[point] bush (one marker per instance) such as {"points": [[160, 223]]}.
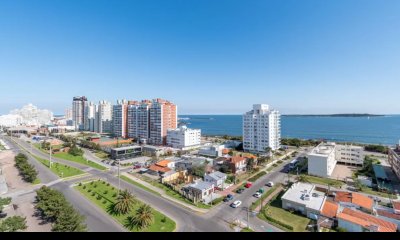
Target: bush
{"points": [[108, 184], [89, 190], [164, 219], [99, 197], [95, 186], [114, 195], [84, 187], [80, 184], [93, 194], [104, 201]]}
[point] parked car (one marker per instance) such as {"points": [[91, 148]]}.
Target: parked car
{"points": [[261, 190], [236, 204], [136, 166], [257, 195], [270, 184], [240, 190], [228, 198], [248, 185]]}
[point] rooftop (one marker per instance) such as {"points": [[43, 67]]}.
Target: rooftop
{"points": [[305, 194], [367, 220], [355, 198], [126, 148], [388, 214], [217, 175], [236, 159], [201, 185], [324, 149], [156, 168], [330, 209], [163, 163], [396, 205]]}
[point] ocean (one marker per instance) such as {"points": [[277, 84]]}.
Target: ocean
{"points": [[375, 130]]}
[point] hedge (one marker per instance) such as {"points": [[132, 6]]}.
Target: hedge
{"points": [[289, 227]]}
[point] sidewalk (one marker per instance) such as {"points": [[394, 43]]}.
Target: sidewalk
{"points": [[265, 201], [92, 157], [164, 195]]}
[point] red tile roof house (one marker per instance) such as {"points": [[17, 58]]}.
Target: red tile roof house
{"points": [[389, 214], [356, 221], [354, 200], [237, 164]]}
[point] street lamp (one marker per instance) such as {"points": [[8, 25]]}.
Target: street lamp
{"points": [[50, 156]]}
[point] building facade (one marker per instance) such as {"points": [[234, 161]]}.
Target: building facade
{"points": [[323, 158], [104, 117], [139, 121], [120, 119], [394, 159], [183, 138], [78, 112], [68, 113], [90, 117], [261, 129], [163, 116]]}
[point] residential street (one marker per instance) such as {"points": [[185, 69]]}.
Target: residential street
{"points": [[216, 220]]}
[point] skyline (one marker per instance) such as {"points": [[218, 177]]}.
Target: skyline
{"points": [[303, 57]]}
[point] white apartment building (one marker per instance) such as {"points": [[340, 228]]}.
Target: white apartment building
{"points": [[138, 121], [349, 154], [90, 112], [183, 138], [104, 117], [78, 112], [119, 119], [323, 158], [261, 129]]}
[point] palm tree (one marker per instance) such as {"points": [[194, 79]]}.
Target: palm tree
{"points": [[143, 218], [125, 201]]}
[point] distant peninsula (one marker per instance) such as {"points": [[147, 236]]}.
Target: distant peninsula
{"points": [[335, 115]]}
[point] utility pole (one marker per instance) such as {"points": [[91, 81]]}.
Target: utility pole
{"points": [[248, 217], [50, 155], [119, 178]]}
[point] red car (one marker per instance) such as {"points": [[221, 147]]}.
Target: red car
{"points": [[136, 166], [248, 185]]}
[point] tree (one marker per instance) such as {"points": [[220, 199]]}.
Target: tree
{"points": [[143, 218], [250, 164], [45, 145], [13, 224], [69, 220], [302, 178], [75, 151], [125, 202]]}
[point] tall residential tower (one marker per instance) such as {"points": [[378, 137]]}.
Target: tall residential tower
{"points": [[261, 129], [78, 112]]}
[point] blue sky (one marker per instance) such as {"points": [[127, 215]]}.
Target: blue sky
{"points": [[207, 56]]}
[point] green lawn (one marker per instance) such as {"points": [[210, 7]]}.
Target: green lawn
{"points": [[37, 181], [322, 181], [79, 159], [59, 169], [101, 154], [139, 185], [173, 193], [2, 147], [246, 230], [104, 197], [274, 210], [257, 176], [376, 193]]}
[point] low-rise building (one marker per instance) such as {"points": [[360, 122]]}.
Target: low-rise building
{"points": [[323, 158], [237, 164], [181, 176], [356, 221], [199, 191], [125, 152], [217, 178], [153, 150], [184, 138], [304, 198], [354, 200], [394, 159], [387, 214], [211, 150]]}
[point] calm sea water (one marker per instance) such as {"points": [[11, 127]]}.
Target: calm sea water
{"points": [[379, 130]]}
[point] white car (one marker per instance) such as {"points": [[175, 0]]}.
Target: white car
{"points": [[236, 204], [270, 184], [257, 195]]}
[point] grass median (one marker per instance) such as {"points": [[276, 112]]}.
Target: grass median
{"points": [[125, 178], [59, 169], [79, 159], [105, 195]]}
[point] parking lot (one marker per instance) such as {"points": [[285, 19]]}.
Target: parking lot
{"points": [[341, 172]]}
